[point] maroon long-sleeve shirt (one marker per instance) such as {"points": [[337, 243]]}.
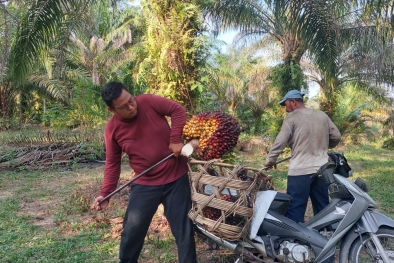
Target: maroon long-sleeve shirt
{"points": [[145, 139]]}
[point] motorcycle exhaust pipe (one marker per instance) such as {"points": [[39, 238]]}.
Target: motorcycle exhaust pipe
{"points": [[221, 242], [233, 247]]}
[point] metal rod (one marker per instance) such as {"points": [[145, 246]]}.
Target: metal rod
{"points": [[220, 241], [135, 178], [193, 161], [285, 159], [223, 165]]}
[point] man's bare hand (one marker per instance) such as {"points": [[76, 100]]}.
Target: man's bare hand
{"points": [[269, 166], [99, 207], [176, 148]]}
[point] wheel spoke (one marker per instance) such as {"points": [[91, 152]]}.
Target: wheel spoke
{"points": [[369, 248], [366, 251]]}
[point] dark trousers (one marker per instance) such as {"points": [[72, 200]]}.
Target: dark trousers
{"points": [[143, 204], [301, 187]]}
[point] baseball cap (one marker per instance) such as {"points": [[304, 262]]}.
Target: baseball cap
{"points": [[292, 94]]}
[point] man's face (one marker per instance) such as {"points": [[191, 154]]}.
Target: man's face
{"points": [[290, 105], [125, 106]]}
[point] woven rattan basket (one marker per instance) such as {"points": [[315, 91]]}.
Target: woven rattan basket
{"points": [[223, 196]]}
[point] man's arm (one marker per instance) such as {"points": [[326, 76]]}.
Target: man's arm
{"points": [[279, 144], [177, 113], [112, 165], [111, 170]]}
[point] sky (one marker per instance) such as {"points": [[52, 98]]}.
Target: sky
{"points": [[227, 37]]}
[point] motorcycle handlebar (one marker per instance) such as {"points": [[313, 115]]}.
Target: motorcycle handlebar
{"points": [[315, 175]]}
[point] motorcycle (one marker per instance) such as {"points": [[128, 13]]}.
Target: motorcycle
{"points": [[350, 223]]}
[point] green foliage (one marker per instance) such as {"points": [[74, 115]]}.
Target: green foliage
{"points": [[86, 109], [92, 150], [235, 72], [5, 124], [57, 116], [287, 77], [273, 120], [354, 115], [231, 157], [208, 102], [109, 46], [38, 29], [90, 42], [8, 156], [251, 123], [388, 144]]}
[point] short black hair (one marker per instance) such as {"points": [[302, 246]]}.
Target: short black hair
{"points": [[111, 91]]}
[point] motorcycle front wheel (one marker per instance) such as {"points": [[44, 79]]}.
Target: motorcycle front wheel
{"points": [[365, 251]]}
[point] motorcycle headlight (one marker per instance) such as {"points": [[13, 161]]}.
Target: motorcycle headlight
{"points": [[355, 188], [362, 184]]}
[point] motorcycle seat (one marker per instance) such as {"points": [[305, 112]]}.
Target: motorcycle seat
{"points": [[282, 197]]}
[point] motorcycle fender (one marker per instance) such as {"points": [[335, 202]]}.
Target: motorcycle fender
{"points": [[371, 221]]}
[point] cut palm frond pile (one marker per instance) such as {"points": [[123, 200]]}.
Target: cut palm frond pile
{"points": [[48, 155]]}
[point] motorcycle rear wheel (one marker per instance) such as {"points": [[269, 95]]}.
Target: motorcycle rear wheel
{"points": [[366, 252]]}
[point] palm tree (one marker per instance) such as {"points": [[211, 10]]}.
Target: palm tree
{"points": [[40, 28], [174, 49], [47, 19], [359, 62], [359, 113], [57, 54], [296, 26], [239, 81], [8, 17], [107, 43], [262, 22], [318, 29]]}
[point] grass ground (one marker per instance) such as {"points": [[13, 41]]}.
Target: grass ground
{"points": [[45, 215]]}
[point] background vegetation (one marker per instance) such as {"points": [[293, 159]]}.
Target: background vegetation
{"points": [[56, 55]]}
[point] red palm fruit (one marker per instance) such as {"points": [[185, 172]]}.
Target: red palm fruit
{"points": [[217, 133]]}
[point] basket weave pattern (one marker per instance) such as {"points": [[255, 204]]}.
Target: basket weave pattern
{"points": [[236, 210]]}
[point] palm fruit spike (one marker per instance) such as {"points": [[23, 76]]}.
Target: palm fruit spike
{"points": [[216, 131]]}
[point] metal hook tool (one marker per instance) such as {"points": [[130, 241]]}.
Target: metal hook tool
{"points": [[285, 159]]}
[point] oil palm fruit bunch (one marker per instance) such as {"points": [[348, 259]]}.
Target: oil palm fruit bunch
{"points": [[216, 131]]}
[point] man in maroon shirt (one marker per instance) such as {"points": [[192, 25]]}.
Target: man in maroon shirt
{"points": [[139, 128]]}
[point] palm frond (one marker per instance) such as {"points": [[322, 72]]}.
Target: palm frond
{"points": [[246, 15], [315, 21], [38, 29], [56, 88]]}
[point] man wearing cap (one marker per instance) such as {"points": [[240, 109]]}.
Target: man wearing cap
{"points": [[309, 133]]}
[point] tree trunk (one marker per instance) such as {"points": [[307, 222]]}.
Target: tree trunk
{"points": [[292, 49], [172, 52], [20, 108], [328, 101], [4, 108], [6, 45]]}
